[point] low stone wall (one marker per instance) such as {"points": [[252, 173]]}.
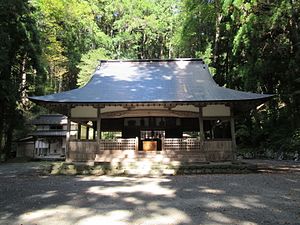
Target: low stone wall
{"points": [[150, 169], [114, 155]]}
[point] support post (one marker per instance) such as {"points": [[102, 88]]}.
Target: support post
{"points": [[49, 147], [68, 137], [233, 140], [79, 131], [136, 148], [87, 132], [98, 124], [201, 129], [94, 134]]}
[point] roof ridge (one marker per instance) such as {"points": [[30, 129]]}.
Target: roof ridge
{"points": [[150, 60], [51, 115]]}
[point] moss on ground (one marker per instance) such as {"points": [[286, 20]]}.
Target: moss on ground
{"points": [[63, 168]]}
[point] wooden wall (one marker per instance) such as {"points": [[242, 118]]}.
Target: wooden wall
{"points": [[25, 149], [82, 151], [218, 150]]}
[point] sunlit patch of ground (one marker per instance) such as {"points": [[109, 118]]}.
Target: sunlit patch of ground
{"points": [[127, 193], [148, 186]]}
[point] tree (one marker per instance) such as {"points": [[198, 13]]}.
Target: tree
{"points": [[252, 46], [19, 64], [68, 30]]}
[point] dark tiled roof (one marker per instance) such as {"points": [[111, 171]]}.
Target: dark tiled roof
{"points": [[49, 133], [151, 81], [50, 119]]}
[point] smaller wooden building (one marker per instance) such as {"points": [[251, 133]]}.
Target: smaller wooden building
{"points": [[170, 110], [25, 147], [48, 141]]}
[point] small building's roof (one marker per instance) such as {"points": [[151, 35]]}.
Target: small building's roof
{"points": [[58, 133], [26, 139], [50, 119], [148, 81]]}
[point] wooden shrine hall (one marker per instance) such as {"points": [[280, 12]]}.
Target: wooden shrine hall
{"points": [[171, 109]]}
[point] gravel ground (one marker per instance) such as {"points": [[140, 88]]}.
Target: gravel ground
{"points": [[27, 198]]}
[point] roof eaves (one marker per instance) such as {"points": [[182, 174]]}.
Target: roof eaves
{"points": [[149, 60], [266, 96]]}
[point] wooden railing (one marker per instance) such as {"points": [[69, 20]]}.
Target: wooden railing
{"points": [[183, 150], [190, 150], [180, 144], [106, 150], [195, 150], [118, 144]]}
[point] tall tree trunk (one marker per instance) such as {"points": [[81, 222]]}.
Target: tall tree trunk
{"points": [[8, 142], [170, 51], [144, 45], [161, 52], [218, 30], [294, 51], [9, 128], [23, 88], [60, 80], [5, 102], [1, 128], [141, 42]]}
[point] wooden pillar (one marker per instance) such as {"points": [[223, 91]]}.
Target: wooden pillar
{"points": [[201, 128], [79, 131], [98, 124], [163, 143], [94, 133], [232, 128], [136, 148], [49, 147], [68, 137], [87, 131]]}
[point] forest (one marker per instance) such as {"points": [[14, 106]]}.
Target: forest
{"points": [[49, 46]]}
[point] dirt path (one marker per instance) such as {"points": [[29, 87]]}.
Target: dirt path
{"points": [[276, 166], [264, 198], [22, 169]]}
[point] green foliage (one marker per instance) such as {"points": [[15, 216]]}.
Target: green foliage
{"points": [[19, 65], [195, 28], [141, 29], [89, 62], [68, 29], [295, 140], [125, 29], [110, 135], [254, 46]]}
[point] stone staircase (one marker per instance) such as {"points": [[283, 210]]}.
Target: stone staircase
{"points": [[146, 167], [154, 156], [154, 163]]}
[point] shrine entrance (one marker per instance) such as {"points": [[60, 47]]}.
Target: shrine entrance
{"points": [[151, 140]]}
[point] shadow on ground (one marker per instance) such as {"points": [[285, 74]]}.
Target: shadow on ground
{"points": [[201, 199]]}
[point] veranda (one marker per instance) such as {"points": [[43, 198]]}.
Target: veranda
{"points": [[163, 132]]}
